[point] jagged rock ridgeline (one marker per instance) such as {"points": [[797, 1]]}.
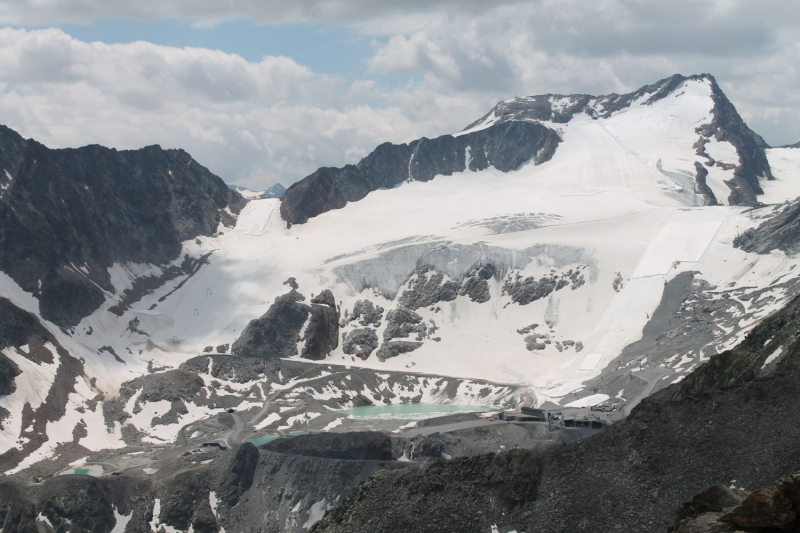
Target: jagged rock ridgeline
{"points": [[560, 108], [504, 147], [67, 215], [287, 322], [728, 126]]}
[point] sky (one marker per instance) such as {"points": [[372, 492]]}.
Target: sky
{"points": [[267, 91]]}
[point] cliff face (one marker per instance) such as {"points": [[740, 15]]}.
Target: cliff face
{"points": [[67, 215], [504, 147]]}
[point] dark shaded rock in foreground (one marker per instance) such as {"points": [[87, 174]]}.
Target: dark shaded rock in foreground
{"points": [[359, 445], [726, 421], [721, 509], [67, 215], [504, 147]]}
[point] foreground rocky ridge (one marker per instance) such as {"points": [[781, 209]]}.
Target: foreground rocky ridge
{"points": [[283, 486], [68, 215], [730, 421], [721, 509]]}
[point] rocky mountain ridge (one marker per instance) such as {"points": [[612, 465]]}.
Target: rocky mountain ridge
{"points": [[67, 215], [505, 148], [389, 165]]}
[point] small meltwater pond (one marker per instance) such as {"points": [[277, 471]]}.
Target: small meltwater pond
{"points": [[263, 439], [412, 410], [258, 441], [88, 470]]}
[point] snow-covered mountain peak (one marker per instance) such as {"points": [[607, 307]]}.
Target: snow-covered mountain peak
{"points": [[560, 109]]}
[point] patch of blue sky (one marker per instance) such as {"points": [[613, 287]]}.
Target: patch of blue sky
{"points": [[325, 49], [335, 50]]}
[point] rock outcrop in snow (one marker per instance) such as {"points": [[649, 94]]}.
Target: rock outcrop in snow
{"points": [[289, 322]]}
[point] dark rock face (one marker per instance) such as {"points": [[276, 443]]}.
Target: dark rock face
{"points": [[428, 288], [447, 495], [712, 500], [18, 328], [617, 284], [325, 298], [395, 348], [476, 284], [91, 207], [360, 342], [8, 371], [184, 501], [82, 504], [781, 232], [322, 334], [532, 342], [721, 509], [277, 333], [702, 186], [526, 290], [358, 445], [729, 126], [402, 322], [175, 386], [367, 313], [239, 476], [504, 147]]}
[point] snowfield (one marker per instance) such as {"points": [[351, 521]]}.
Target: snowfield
{"points": [[616, 201]]}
